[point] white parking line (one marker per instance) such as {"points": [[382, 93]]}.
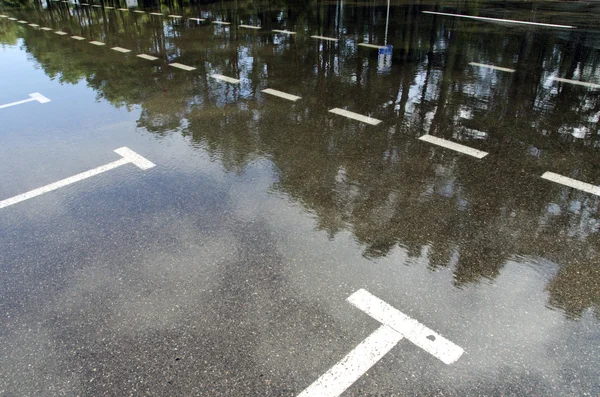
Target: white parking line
{"points": [[123, 9], [197, 19], [483, 65], [175, 16], [36, 96], [12, 19], [283, 31], [454, 146], [21, 21], [140, 11], [45, 28], [500, 20], [182, 66], [34, 25], [221, 23], [427, 339], [109, 8], [128, 155], [281, 94], [59, 32], [324, 38], [576, 82], [355, 116], [121, 49], [349, 369], [250, 27], [78, 38], [371, 45], [3, 16], [225, 78], [157, 13], [98, 43], [148, 57], [570, 182]]}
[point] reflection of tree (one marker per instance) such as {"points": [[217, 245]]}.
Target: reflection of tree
{"points": [[575, 289]]}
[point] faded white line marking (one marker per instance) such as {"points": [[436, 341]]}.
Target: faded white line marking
{"points": [[97, 43], [175, 16], [78, 38], [574, 183], [350, 368], [250, 27], [197, 19], [109, 8], [371, 45], [21, 21], [225, 78], [148, 57], [121, 49], [427, 339], [60, 33], [355, 116], [576, 82], [12, 19], [34, 25], [483, 65], [45, 28], [454, 146], [139, 11], [182, 66], [324, 38], [283, 31], [96, 6], [500, 20], [157, 13], [221, 23], [123, 9], [281, 94], [128, 155], [36, 96]]}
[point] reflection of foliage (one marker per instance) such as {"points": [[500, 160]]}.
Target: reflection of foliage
{"points": [[575, 288], [8, 33]]}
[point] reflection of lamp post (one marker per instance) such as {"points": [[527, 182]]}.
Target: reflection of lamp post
{"points": [[384, 56], [387, 23]]}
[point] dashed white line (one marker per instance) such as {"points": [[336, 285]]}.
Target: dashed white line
{"points": [[109, 8], [454, 146], [34, 25], [128, 155], [325, 38], [121, 49], [61, 33], [157, 13], [182, 66], [45, 28], [283, 31], [576, 82], [281, 94], [175, 16], [371, 45], [98, 43], [221, 23], [355, 116], [96, 6], [500, 20], [139, 11], [148, 57], [36, 96], [12, 19], [225, 78], [21, 21], [197, 19], [570, 182], [78, 38], [483, 65], [250, 27], [123, 9]]}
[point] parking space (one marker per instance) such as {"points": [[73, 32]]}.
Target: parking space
{"points": [[213, 203]]}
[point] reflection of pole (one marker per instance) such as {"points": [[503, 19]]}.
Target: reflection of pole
{"points": [[387, 22]]}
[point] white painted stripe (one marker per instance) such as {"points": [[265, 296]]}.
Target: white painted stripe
{"points": [[109, 8], [148, 57], [22, 21], [123, 9], [576, 82], [33, 25], [225, 78], [182, 66], [371, 45], [355, 116], [221, 23], [121, 49], [454, 146], [97, 43], [45, 28], [140, 11], [12, 19], [483, 65], [250, 27], [96, 5], [3, 16], [411, 329], [574, 183], [60, 32], [350, 368], [36, 96], [175, 16], [500, 20], [281, 94], [128, 155], [197, 19], [324, 38], [78, 38], [157, 13], [283, 31]]}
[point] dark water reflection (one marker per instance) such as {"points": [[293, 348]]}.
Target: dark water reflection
{"points": [[380, 183]]}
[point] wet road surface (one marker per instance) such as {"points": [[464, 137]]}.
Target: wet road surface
{"points": [[453, 178]]}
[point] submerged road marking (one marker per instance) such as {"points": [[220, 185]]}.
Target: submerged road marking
{"points": [[576, 82], [109, 8], [22, 21], [78, 38], [283, 31], [121, 49], [221, 23], [45, 28], [148, 57], [355, 116], [454, 146], [197, 19], [34, 25], [123, 9], [250, 27], [175, 16], [499, 20], [59, 32], [324, 38], [225, 78], [182, 66], [483, 65], [139, 11], [128, 156], [570, 182], [371, 45], [12, 19], [350, 368], [281, 94], [98, 43], [96, 5], [36, 96], [157, 13]]}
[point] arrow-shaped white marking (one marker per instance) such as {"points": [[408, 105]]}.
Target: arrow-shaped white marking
{"points": [[36, 96]]}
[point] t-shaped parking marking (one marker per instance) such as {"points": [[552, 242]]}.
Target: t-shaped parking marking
{"points": [[36, 96], [395, 326]]}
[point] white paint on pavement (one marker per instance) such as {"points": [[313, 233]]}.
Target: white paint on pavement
{"points": [[98, 43], [355, 116], [157, 13], [123, 9], [411, 329], [250, 27], [45, 28], [22, 21], [350, 368], [576, 82], [78, 38], [500, 20], [281, 94], [221, 23], [139, 11], [12, 19], [570, 182], [121, 49], [182, 66], [324, 38], [175, 16], [148, 57], [454, 146], [34, 25], [225, 78], [59, 32], [483, 65], [371, 45], [197, 19], [109, 8], [283, 31], [128, 155], [36, 96]]}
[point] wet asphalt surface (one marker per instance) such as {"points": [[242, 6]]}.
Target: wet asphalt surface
{"points": [[224, 270]]}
